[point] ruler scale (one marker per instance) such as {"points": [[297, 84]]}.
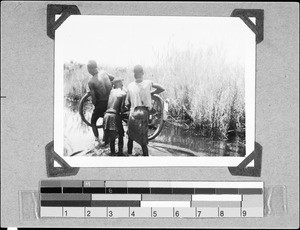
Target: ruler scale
{"points": [[150, 199]]}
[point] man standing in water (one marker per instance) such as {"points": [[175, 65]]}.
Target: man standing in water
{"points": [[100, 86], [139, 100], [112, 121]]}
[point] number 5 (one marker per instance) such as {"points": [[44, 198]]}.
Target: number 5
{"points": [[154, 214]]}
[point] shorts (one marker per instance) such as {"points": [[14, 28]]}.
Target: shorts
{"points": [[99, 111], [138, 125], [112, 125]]}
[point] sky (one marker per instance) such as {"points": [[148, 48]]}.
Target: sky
{"points": [[129, 40]]}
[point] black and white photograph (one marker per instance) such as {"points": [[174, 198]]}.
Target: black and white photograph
{"points": [[149, 114], [154, 91]]}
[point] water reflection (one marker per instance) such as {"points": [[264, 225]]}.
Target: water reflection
{"points": [[80, 136], [179, 136]]}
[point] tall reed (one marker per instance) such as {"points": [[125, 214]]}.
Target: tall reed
{"points": [[204, 90]]}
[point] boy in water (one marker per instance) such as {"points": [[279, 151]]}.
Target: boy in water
{"points": [[139, 101], [112, 122]]}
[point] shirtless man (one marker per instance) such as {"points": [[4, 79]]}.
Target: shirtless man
{"points": [[100, 86]]}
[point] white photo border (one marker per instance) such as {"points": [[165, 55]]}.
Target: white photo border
{"points": [[93, 161]]}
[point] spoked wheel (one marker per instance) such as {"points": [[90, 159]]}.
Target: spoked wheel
{"points": [[156, 121], [86, 109]]}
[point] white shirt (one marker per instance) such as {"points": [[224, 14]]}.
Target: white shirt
{"points": [[139, 94]]}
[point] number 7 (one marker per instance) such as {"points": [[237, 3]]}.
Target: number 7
{"points": [[199, 212]]}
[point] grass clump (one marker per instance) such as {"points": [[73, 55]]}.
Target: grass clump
{"points": [[204, 90]]}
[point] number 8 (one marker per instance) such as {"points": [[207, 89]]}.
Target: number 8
{"points": [[222, 213]]}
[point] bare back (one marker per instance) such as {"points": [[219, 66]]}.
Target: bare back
{"points": [[100, 85]]}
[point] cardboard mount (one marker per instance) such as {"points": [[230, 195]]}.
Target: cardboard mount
{"points": [[66, 170]]}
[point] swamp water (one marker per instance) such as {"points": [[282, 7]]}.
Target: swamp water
{"points": [[174, 139]]}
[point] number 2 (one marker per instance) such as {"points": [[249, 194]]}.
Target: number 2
{"points": [[88, 213]]}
